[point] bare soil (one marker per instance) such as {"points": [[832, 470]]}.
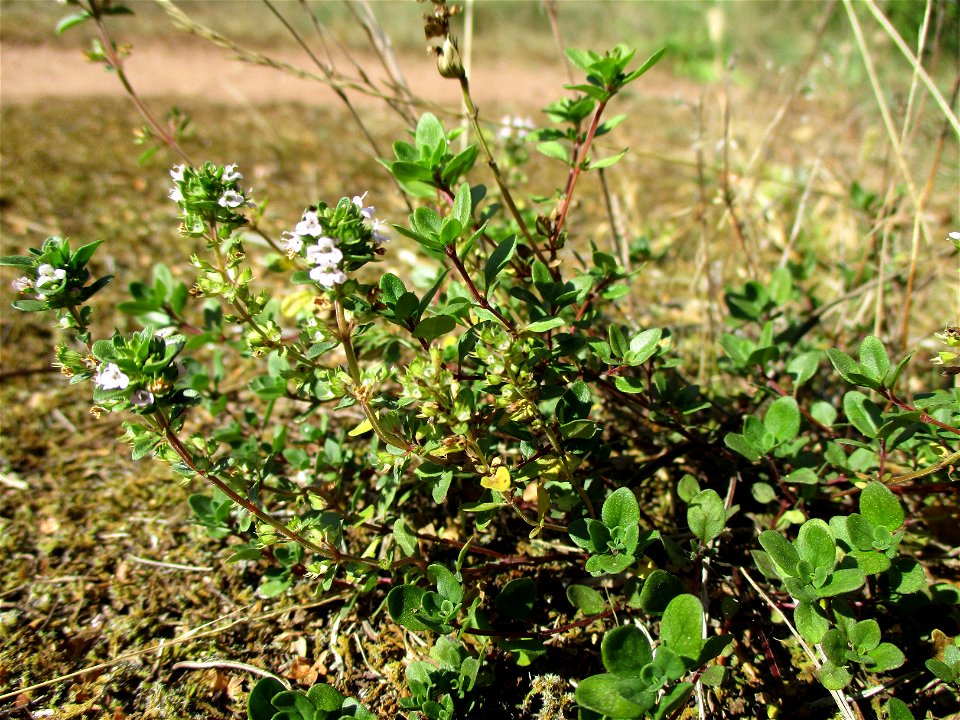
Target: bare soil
{"points": [[32, 72]]}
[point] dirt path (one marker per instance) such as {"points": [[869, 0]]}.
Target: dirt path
{"points": [[31, 73]]}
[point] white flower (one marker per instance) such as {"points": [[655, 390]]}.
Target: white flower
{"points": [[367, 212], [231, 199], [177, 173], [506, 129], [954, 235], [230, 173], [302, 478], [141, 398], [23, 284], [324, 254], [379, 231], [175, 194], [328, 275], [292, 243], [309, 225], [523, 126], [47, 275], [110, 378]]}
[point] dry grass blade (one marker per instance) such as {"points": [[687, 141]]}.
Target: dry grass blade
{"points": [[912, 59]]}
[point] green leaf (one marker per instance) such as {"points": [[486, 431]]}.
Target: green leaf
{"points": [[865, 636], [606, 161], [672, 700], [462, 206], [517, 598], [446, 582], [682, 627], [802, 476], [604, 694], [880, 507], [643, 346], [430, 135], [781, 551], [658, 590], [499, 259], [782, 419], [907, 576], [706, 515], [71, 21], [842, 581], [816, 544], [585, 599], [403, 604], [873, 358], [260, 702], [433, 327], [862, 413], [885, 657], [834, 677], [544, 325], [620, 509], [648, 63], [804, 366], [555, 150], [743, 445], [18, 261], [811, 621], [405, 538], [31, 305], [688, 488], [898, 710], [625, 650]]}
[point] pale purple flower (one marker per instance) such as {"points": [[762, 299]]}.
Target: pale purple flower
{"points": [[292, 243], [230, 173], [110, 378], [328, 275], [324, 254], [23, 284], [231, 199], [141, 398], [309, 225], [367, 212], [379, 231]]}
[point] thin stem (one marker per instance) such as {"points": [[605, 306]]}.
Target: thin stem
{"points": [[579, 160], [116, 62], [359, 391], [473, 113], [924, 417], [478, 297], [184, 454]]}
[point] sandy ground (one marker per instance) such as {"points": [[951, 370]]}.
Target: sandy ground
{"points": [[30, 73]]}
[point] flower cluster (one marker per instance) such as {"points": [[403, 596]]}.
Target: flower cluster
{"points": [[514, 127], [209, 196], [334, 240], [49, 281], [139, 372]]}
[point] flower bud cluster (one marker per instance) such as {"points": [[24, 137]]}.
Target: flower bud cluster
{"points": [[508, 363], [439, 395], [334, 240], [210, 196]]}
